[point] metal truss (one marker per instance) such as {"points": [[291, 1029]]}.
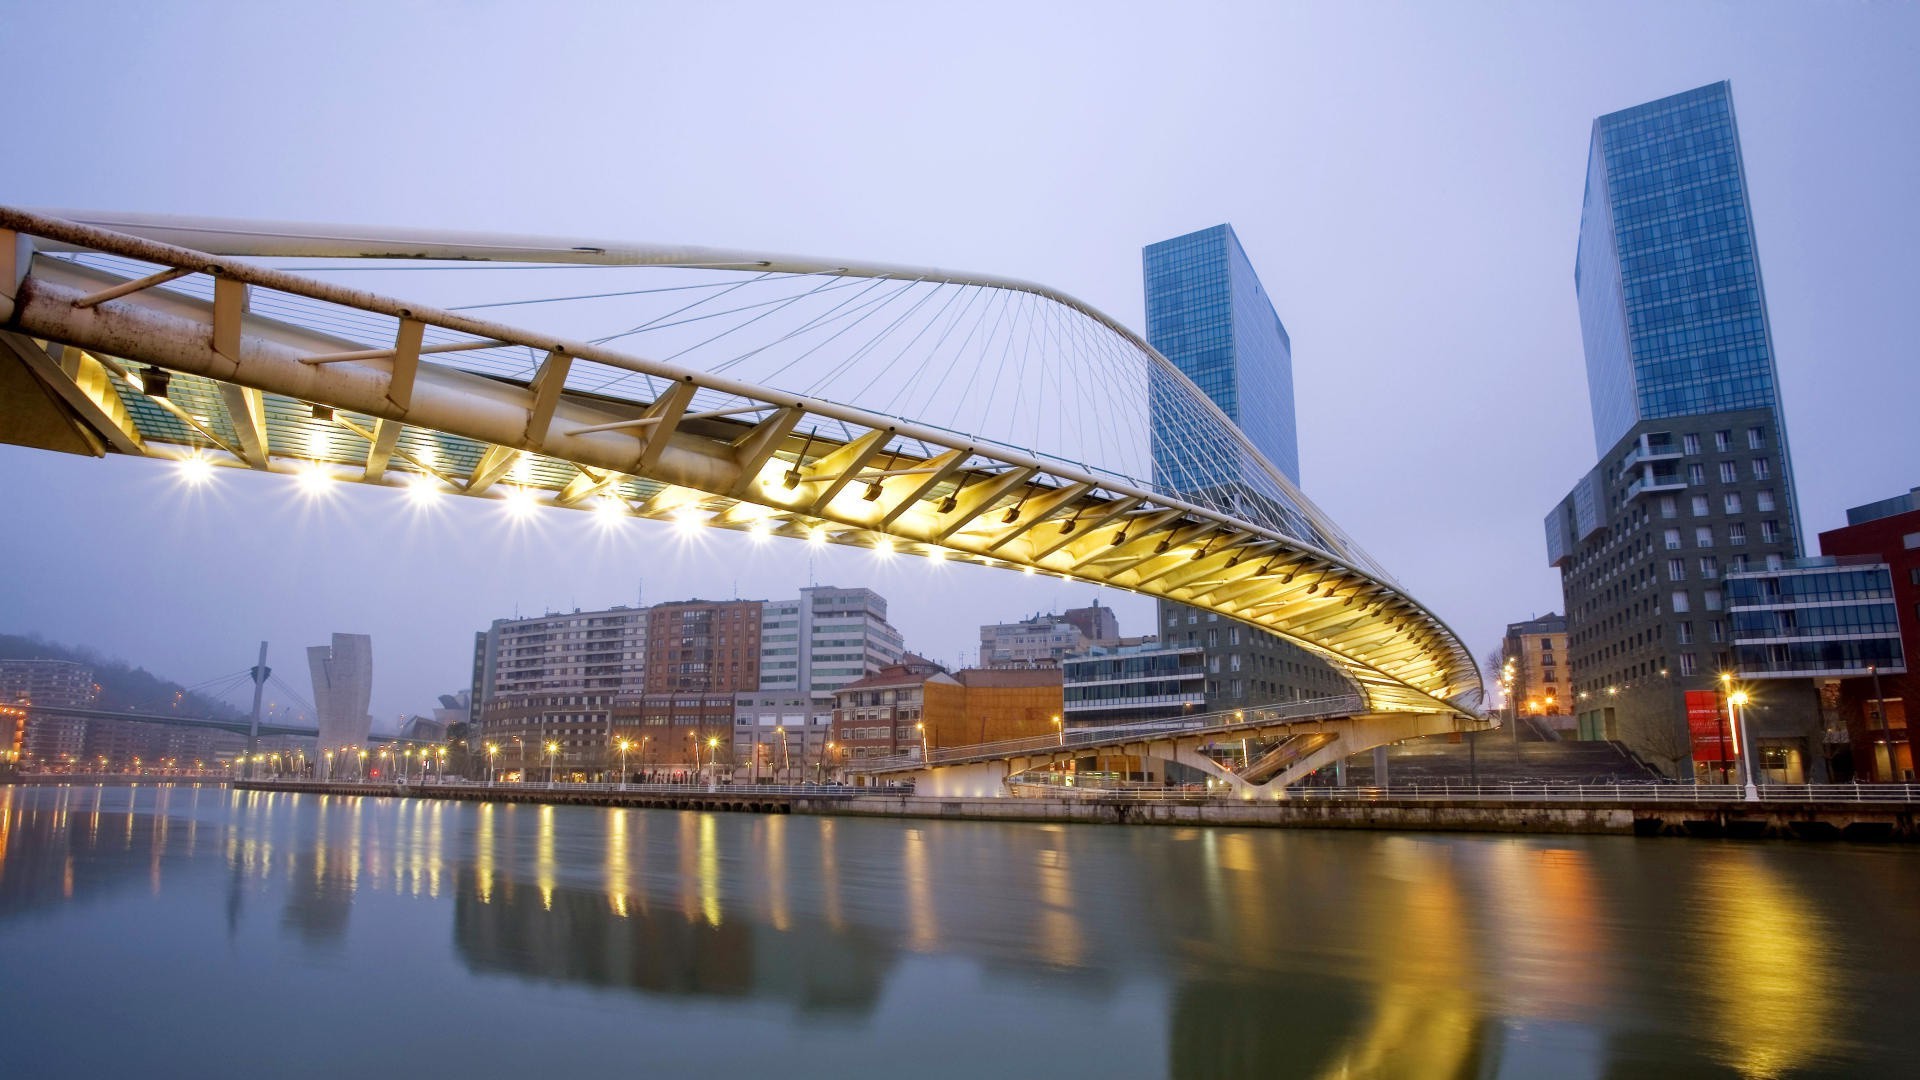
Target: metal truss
{"points": [[244, 373]]}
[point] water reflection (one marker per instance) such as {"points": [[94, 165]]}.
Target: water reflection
{"points": [[1201, 952]]}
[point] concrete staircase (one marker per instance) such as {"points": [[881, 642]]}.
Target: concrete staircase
{"points": [[1436, 760]]}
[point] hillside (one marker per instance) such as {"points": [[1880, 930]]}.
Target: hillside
{"points": [[122, 686]]}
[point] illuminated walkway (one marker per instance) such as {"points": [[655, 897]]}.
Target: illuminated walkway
{"points": [[1003, 423]]}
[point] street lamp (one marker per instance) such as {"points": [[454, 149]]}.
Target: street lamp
{"points": [[624, 745], [922, 728], [1738, 701], [553, 748], [329, 764], [820, 767], [713, 775], [1059, 729], [1886, 732], [363, 764], [493, 749], [786, 759]]}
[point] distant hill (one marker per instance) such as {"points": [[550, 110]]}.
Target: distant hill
{"points": [[122, 686]]}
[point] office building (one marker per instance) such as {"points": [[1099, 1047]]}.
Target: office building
{"points": [[1209, 315], [1114, 684], [1694, 479], [1537, 651], [1876, 709], [555, 679], [824, 639], [342, 689]]}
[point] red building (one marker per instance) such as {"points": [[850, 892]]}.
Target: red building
{"points": [[1876, 708]]}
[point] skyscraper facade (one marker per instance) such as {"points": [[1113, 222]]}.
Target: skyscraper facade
{"points": [[1209, 315], [1694, 478], [342, 688]]}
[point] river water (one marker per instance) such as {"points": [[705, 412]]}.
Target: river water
{"points": [[190, 931]]}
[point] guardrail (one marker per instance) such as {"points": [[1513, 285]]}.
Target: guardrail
{"points": [[1516, 792], [1225, 721], [700, 788]]}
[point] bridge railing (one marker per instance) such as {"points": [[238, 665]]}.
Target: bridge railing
{"points": [[696, 787], [1225, 721]]}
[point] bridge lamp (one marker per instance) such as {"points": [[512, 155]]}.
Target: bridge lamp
{"points": [[687, 519], [817, 536], [937, 554], [883, 548], [423, 490], [520, 502], [196, 470], [760, 530], [609, 512], [315, 480]]}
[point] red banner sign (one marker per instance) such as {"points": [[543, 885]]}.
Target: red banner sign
{"points": [[1709, 730]]}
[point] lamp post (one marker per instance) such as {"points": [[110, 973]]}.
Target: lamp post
{"points": [[553, 748], [523, 756], [713, 775], [623, 744], [820, 768], [329, 764], [363, 765], [1748, 752], [1060, 729], [922, 729], [493, 749]]}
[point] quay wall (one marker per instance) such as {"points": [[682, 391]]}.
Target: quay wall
{"points": [[1803, 821]]}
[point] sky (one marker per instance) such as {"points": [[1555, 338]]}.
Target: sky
{"points": [[1406, 178]]}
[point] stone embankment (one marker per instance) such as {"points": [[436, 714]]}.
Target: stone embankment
{"points": [[1831, 820]]}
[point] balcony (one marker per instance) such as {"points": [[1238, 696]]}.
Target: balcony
{"points": [[1652, 479], [1652, 447]]}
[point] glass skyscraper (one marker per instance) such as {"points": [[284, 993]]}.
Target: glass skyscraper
{"points": [[1208, 313], [1672, 312], [1694, 481]]}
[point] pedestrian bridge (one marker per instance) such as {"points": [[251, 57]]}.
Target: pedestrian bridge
{"points": [[907, 410], [1279, 745]]}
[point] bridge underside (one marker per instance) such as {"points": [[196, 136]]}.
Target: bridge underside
{"points": [[256, 368], [1302, 750]]}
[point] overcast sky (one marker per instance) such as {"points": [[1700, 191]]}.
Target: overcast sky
{"points": [[1406, 179]]}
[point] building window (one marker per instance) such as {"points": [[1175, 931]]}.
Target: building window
{"points": [[1709, 566], [1763, 500], [1676, 569], [1769, 532], [1712, 599], [1761, 468], [1728, 472], [1723, 441], [1700, 507], [1703, 536], [1756, 438], [1687, 663], [1738, 564], [1696, 474], [1736, 533], [1717, 630], [1683, 633], [1673, 539], [1680, 602], [1732, 502], [1668, 508], [1690, 444]]}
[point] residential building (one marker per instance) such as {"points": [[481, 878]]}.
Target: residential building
{"points": [[1208, 314], [1876, 711], [983, 705], [1099, 625], [1037, 639], [1112, 684], [48, 738], [710, 646], [555, 678], [824, 639], [882, 715], [1537, 650], [342, 688], [782, 735], [1694, 479]]}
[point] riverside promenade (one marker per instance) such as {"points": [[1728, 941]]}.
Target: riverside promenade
{"points": [[1866, 813]]}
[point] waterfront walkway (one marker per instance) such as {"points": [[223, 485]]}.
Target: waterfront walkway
{"points": [[1864, 812]]}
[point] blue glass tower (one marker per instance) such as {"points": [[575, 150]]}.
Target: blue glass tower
{"points": [[1208, 313], [1672, 312], [1693, 483]]}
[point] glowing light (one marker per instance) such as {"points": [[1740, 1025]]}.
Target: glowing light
{"points": [[520, 502], [760, 530], [688, 520], [196, 470], [423, 490], [315, 479], [937, 554], [609, 512], [883, 548], [817, 536], [1027, 570]]}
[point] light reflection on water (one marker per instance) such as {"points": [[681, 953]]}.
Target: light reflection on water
{"points": [[262, 932]]}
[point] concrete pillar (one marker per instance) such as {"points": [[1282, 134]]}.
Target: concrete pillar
{"points": [[1380, 766], [1340, 773]]}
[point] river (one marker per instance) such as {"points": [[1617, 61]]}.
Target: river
{"points": [[192, 931]]}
